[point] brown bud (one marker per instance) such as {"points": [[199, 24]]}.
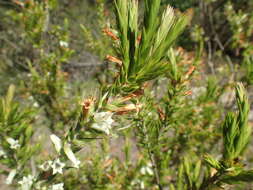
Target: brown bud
{"points": [[86, 105], [190, 71], [113, 59], [110, 33], [161, 113], [128, 108], [187, 93]]}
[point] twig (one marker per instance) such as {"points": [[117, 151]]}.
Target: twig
{"points": [[154, 166], [209, 61], [210, 181]]}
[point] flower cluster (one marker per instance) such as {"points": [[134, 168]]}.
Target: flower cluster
{"points": [[14, 144], [56, 165]]}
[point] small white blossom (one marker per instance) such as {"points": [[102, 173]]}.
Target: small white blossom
{"points": [[103, 122], [57, 142], [71, 156], [27, 182], [57, 166], [64, 44], [38, 186], [137, 182], [31, 97], [46, 165], [147, 169], [14, 143], [36, 104], [2, 153], [134, 182], [58, 186], [11, 176]]}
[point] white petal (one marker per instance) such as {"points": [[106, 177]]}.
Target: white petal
{"points": [[71, 156], [149, 171], [57, 142], [11, 176], [63, 43], [103, 127], [10, 140], [57, 166], [143, 171], [58, 186], [14, 143], [46, 165], [109, 121]]}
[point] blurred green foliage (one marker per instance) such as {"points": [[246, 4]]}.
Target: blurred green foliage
{"points": [[159, 98]]}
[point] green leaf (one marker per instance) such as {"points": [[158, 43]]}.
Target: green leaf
{"points": [[180, 177], [28, 133], [196, 172], [236, 131], [10, 94], [213, 162], [242, 119], [244, 176]]}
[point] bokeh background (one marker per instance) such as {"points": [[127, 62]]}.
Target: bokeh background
{"points": [[65, 42]]}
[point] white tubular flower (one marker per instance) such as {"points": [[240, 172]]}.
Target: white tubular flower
{"points": [[57, 166], [10, 177], [58, 186], [46, 165], [57, 142], [14, 143], [103, 122], [71, 156], [27, 182]]}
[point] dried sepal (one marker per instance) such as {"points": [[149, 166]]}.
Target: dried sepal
{"points": [[87, 105]]}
